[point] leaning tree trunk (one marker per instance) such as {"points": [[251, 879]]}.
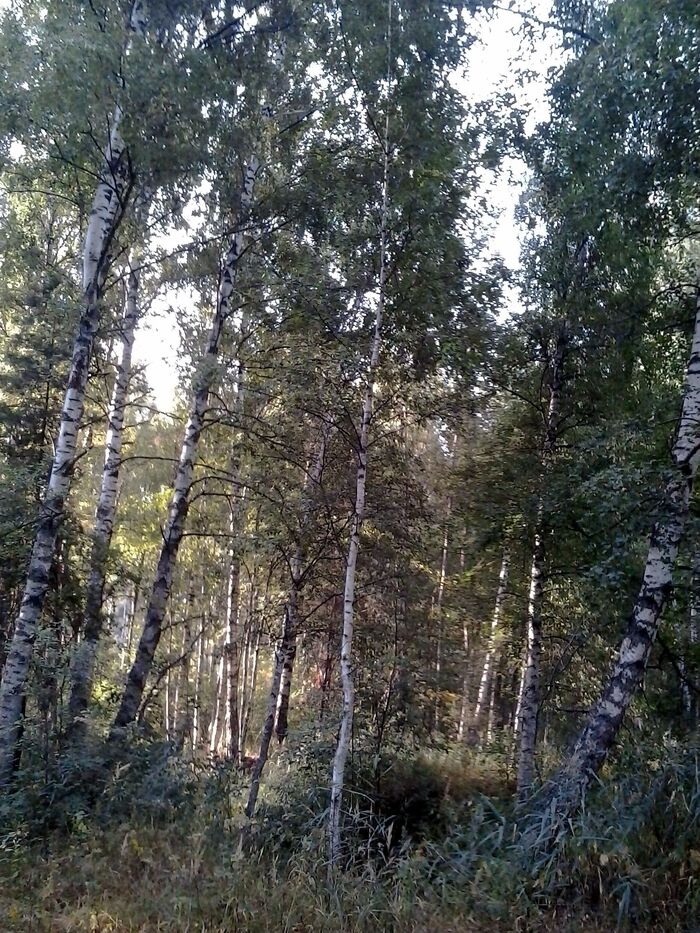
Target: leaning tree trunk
{"points": [[482, 700], [528, 701], [346, 663], [289, 649], [285, 651], [289, 645], [180, 501], [84, 659], [108, 206], [593, 744]]}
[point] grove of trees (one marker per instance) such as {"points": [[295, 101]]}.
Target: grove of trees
{"points": [[392, 619]]}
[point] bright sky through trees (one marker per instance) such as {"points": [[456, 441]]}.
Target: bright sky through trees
{"points": [[497, 63]]}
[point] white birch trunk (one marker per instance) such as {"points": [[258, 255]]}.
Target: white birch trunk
{"points": [[691, 638], [109, 202], [184, 705], [346, 663], [82, 669], [249, 687], [464, 708], [231, 649], [438, 615], [604, 720], [268, 725], [487, 670], [289, 647], [215, 725], [528, 701], [232, 652], [179, 503]]}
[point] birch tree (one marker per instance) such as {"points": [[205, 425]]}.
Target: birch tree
{"points": [[596, 738], [180, 501], [487, 670], [84, 658], [285, 652], [108, 206], [361, 452]]}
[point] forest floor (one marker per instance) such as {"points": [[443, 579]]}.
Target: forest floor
{"points": [[170, 852]]}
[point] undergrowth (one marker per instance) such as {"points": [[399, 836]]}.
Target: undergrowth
{"points": [[155, 844]]}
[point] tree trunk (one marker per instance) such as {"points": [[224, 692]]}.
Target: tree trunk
{"points": [[464, 706], [108, 205], [232, 652], [197, 699], [528, 701], [268, 725], [346, 664], [487, 671], [289, 637], [437, 607], [690, 638], [84, 658], [288, 647], [529, 698], [179, 503], [249, 686], [183, 707], [236, 514], [285, 652], [598, 733]]}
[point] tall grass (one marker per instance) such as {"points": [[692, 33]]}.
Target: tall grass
{"points": [[434, 848]]}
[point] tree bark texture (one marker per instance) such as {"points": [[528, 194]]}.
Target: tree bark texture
{"points": [[231, 649]]}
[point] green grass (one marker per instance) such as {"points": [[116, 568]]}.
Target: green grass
{"points": [[163, 848]]}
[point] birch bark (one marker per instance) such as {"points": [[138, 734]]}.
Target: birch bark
{"points": [[232, 652], [487, 670], [84, 658], [108, 205], [346, 665], [179, 503], [289, 645], [231, 649], [693, 623], [438, 612], [598, 733], [249, 687], [215, 724], [183, 706]]}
